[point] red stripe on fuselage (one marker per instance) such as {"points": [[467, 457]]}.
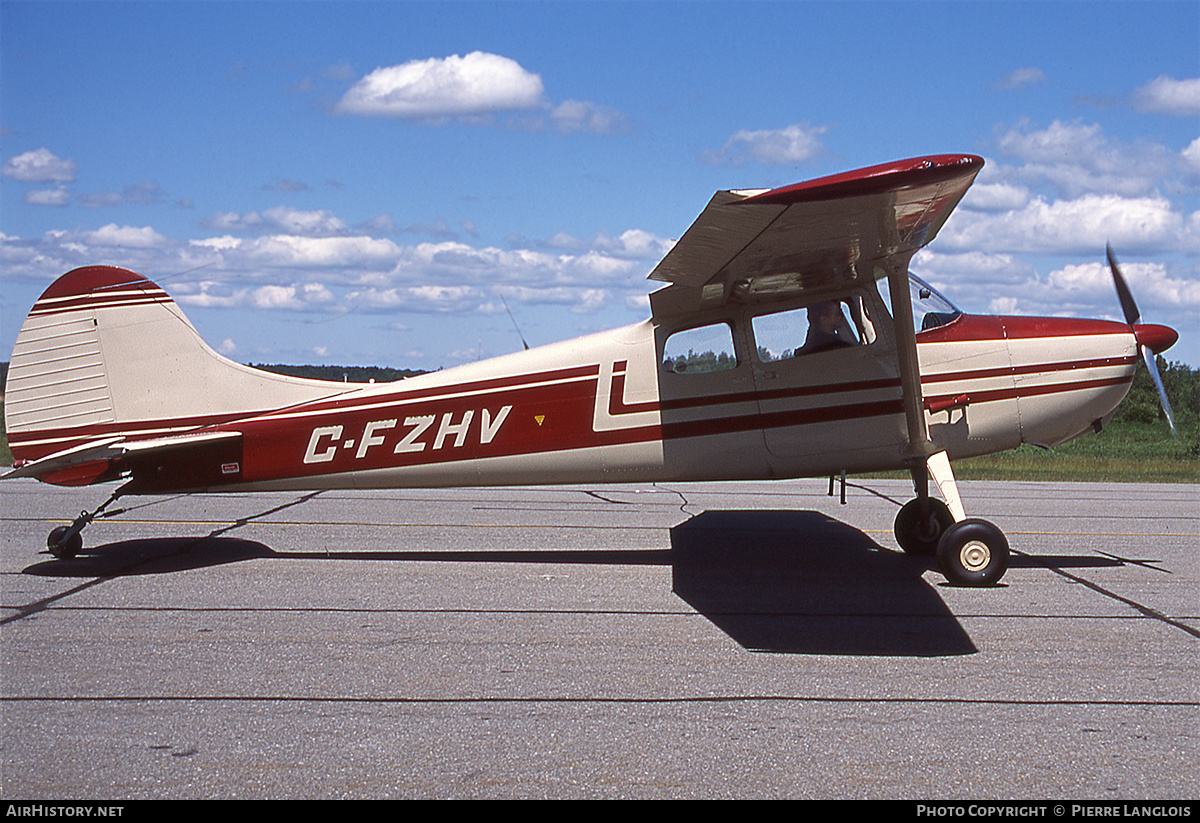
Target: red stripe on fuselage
{"points": [[981, 327]]}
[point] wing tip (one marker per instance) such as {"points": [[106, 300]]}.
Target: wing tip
{"points": [[875, 179]]}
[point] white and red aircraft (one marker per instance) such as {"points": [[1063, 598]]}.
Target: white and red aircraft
{"points": [[791, 342]]}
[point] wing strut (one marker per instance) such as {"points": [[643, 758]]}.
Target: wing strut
{"points": [[971, 552], [919, 445], [921, 450]]}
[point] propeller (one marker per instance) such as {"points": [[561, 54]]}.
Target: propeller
{"points": [[1150, 339]]}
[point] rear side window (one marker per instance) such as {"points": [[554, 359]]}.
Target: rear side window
{"points": [[701, 350]]}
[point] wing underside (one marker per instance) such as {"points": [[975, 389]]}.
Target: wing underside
{"points": [[823, 234]]}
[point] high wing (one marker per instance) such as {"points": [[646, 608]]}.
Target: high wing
{"points": [[824, 233]]}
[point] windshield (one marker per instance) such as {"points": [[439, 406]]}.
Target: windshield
{"points": [[930, 308]]}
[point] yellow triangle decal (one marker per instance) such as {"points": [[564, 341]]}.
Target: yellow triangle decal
{"points": [[540, 418]]}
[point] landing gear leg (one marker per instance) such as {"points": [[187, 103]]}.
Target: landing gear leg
{"points": [[923, 520], [921, 524], [65, 542]]}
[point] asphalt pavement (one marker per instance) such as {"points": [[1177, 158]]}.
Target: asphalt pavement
{"points": [[743, 640]]}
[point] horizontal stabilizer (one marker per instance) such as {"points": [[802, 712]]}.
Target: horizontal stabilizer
{"points": [[89, 462]]}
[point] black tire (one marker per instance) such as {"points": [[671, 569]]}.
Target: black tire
{"points": [[973, 553], [921, 538], [61, 550]]}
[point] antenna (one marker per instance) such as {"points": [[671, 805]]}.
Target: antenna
{"points": [[514, 322]]}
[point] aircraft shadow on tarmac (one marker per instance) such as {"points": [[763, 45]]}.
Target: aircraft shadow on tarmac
{"points": [[805, 583], [155, 555], [774, 580]]}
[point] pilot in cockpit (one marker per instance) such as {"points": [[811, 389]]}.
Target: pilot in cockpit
{"points": [[827, 328]]}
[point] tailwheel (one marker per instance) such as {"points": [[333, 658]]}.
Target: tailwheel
{"points": [[973, 553], [919, 535], [64, 542]]}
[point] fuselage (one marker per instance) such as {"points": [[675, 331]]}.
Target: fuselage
{"points": [[607, 408]]}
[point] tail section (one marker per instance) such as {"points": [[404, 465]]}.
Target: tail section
{"points": [[107, 357]]}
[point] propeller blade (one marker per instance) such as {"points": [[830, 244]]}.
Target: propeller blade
{"points": [[1151, 363], [1132, 315]]}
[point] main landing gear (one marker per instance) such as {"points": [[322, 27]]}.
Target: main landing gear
{"points": [[970, 552], [64, 542]]}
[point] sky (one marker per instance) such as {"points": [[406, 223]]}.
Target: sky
{"points": [[419, 185]]}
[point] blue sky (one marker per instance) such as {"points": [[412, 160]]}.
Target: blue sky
{"points": [[371, 183]]}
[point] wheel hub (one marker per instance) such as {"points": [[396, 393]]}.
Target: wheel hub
{"points": [[975, 556]]}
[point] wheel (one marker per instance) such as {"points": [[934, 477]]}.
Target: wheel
{"points": [[973, 553], [68, 549], [921, 538]]}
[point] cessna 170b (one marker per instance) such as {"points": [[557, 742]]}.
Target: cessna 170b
{"points": [[790, 342]]}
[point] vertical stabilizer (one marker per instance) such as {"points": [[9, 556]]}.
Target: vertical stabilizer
{"points": [[107, 352]]}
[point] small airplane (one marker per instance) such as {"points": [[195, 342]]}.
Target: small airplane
{"points": [[791, 341]]}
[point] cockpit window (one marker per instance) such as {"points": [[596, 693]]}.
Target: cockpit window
{"points": [[930, 308], [818, 327]]}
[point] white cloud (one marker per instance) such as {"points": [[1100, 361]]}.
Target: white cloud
{"points": [[218, 294], [130, 237], [1166, 95], [1070, 226], [40, 166], [996, 197], [306, 222], [424, 298], [1191, 160], [473, 87], [291, 250], [1078, 158], [573, 116], [231, 221], [225, 243], [456, 86], [1029, 76], [1086, 289], [777, 147], [48, 197], [140, 193], [449, 276], [310, 223], [1150, 283]]}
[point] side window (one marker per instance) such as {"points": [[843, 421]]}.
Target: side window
{"points": [[817, 327], [700, 350], [930, 308]]}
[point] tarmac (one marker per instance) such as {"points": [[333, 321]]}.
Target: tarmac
{"points": [[742, 640]]}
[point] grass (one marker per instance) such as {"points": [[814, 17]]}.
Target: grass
{"points": [[1156, 461]]}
